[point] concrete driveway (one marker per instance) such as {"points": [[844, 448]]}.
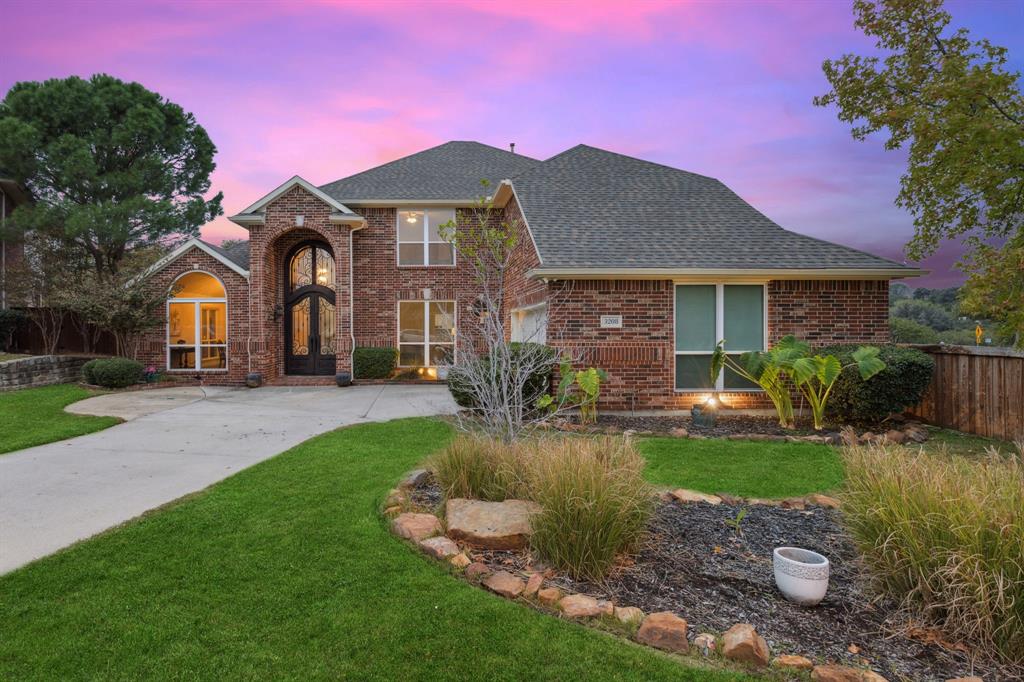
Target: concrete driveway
{"points": [[176, 441]]}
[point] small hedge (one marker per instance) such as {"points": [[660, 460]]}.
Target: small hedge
{"points": [[112, 372], [900, 385], [374, 363], [536, 386]]}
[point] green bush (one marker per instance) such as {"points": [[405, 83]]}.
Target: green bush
{"points": [[535, 386], [959, 337], [594, 500], [112, 372], [903, 330], [900, 385], [924, 312], [374, 363], [945, 535]]}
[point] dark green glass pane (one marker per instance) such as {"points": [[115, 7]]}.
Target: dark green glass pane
{"points": [[692, 372], [695, 317], [744, 316], [734, 382]]}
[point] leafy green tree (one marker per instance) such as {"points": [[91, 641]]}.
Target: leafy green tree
{"points": [[903, 330], [899, 291], [111, 166], [953, 102], [995, 290], [924, 312]]}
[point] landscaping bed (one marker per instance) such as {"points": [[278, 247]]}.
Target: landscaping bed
{"points": [[692, 563]]}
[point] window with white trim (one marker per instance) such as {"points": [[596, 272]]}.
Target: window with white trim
{"points": [[197, 323], [426, 333], [419, 237], [706, 314]]}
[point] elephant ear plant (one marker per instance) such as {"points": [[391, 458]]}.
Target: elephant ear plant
{"points": [[815, 376], [587, 384], [772, 370]]}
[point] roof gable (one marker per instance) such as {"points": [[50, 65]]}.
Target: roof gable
{"points": [[450, 172], [209, 249], [254, 213]]}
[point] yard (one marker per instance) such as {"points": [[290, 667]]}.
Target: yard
{"points": [[287, 570], [34, 416]]}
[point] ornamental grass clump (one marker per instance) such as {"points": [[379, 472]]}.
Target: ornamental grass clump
{"points": [[479, 467], [594, 501], [945, 535]]}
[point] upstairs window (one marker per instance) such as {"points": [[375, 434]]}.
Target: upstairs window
{"points": [[706, 314], [419, 237]]}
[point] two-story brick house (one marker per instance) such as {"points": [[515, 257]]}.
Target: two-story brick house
{"points": [[641, 266]]}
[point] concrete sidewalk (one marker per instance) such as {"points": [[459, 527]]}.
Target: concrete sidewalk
{"points": [[176, 441]]}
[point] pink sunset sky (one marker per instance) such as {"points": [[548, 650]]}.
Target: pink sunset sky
{"points": [[325, 90]]}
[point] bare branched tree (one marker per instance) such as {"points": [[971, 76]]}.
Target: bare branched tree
{"points": [[502, 378]]}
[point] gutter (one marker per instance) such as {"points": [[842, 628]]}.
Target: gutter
{"points": [[352, 301], [725, 273]]}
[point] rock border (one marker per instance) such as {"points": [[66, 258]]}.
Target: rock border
{"points": [[666, 631]]}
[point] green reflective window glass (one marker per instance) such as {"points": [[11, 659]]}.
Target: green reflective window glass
{"points": [[744, 316], [695, 317], [692, 372], [734, 382]]}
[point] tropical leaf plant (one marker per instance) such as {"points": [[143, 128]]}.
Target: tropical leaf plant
{"points": [[581, 388], [771, 370], [815, 376]]}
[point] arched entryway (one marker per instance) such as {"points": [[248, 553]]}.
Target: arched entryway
{"points": [[310, 322]]}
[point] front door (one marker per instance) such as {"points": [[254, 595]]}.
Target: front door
{"points": [[310, 323]]}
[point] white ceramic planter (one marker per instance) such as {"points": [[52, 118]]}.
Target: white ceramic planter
{"points": [[802, 575]]}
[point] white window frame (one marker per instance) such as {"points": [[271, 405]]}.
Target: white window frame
{"points": [[427, 343], [719, 386], [540, 333], [198, 345], [425, 242]]}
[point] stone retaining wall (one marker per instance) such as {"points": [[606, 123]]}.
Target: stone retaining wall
{"points": [[41, 370]]}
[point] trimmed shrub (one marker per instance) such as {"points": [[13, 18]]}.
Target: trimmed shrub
{"points": [[374, 363], [593, 497], [944, 535], [112, 372], [899, 386], [534, 387], [903, 330]]}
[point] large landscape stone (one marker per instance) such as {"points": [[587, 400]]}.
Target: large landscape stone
{"points": [[490, 525], [439, 547], [580, 606], [664, 630], [505, 584], [416, 527], [842, 673], [742, 643], [629, 614], [792, 662]]}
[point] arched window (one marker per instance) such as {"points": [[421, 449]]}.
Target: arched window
{"points": [[311, 265], [197, 323]]}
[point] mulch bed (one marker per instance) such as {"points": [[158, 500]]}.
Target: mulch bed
{"points": [[725, 425], [693, 564]]}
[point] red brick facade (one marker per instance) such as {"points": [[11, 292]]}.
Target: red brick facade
{"points": [[639, 356]]}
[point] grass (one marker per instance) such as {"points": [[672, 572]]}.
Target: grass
{"points": [[950, 442], [287, 571], [745, 468], [34, 416], [945, 534], [4, 357]]}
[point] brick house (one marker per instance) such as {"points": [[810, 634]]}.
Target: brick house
{"points": [[641, 266]]}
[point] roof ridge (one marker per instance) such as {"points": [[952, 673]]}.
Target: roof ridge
{"points": [[583, 145]]}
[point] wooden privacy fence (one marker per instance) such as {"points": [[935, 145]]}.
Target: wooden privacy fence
{"points": [[978, 390]]}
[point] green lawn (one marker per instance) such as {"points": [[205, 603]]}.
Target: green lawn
{"points": [[33, 416], [745, 468], [287, 571]]}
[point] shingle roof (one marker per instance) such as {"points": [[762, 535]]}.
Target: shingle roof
{"points": [[591, 208], [449, 171], [237, 252]]}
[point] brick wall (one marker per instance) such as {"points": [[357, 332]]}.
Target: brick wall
{"points": [[153, 345], [639, 357]]}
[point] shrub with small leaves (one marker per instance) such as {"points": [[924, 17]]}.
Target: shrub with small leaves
{"points": [[900, 385], [112, 372], [374, 363]]}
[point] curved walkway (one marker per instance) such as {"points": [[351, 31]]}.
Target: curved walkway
{"points": [[175, 441]]}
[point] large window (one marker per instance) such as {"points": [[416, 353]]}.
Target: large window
{"points": [[426, 333], [707, 314], [419, 237], [197, 323]]}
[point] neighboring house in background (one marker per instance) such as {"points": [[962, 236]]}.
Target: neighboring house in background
{"points": [[641, 266], [11, 196]]}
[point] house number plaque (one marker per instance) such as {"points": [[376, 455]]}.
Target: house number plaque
{"points": [[611, 321]]}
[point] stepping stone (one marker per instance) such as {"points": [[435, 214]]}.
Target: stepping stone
{"points": [[490, 525]]}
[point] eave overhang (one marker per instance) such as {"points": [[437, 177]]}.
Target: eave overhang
{"points": [[725, 274]]}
